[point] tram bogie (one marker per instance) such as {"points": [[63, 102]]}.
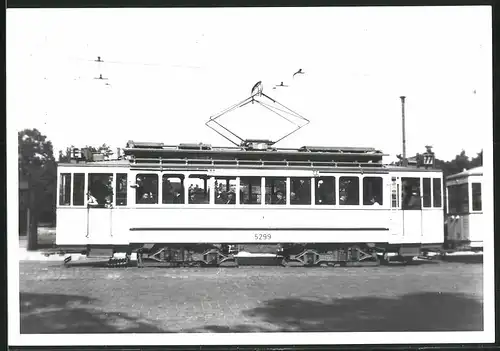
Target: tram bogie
{"points": [[183, 256]]}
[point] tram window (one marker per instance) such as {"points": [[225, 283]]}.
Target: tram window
{"points": [[100, 189], [458, 199], [275, 191], [147, 189], [452, 208], [198, 189], [410, 194], [225, 190], [65, 189], [463, 199], [476, 197], [426, 187], [300, 191], [78, 189], [325, 191], [121, 189], [250, 190], [372, 191], [436, 184], [349, 191], [172, 189]]}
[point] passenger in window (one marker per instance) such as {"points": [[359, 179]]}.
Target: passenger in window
{"points": [[220, 193], [373, 201], [406, 195], [91, 200], [414, 201], [280, 199], [177, 198], [145, 198], [321, 196], [192, 197], [123, 185], [231, 199], [343, 199], [108, 202], [293, 198]]}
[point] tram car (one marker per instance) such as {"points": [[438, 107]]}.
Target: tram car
{"points": [[465, 222], [195, 204]]}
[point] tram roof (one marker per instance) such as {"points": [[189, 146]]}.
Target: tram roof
{"points": [[158, 156], [477, 171], [139, 150]]}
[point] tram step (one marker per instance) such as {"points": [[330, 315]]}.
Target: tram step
{"points": [[100, 253], [409, 251], [259, 261]]}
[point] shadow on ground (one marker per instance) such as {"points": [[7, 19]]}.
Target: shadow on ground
{"points": [[57, 313], [413, 312], [429, 311]]}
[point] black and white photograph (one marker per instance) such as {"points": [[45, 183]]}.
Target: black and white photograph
{"points": [[250, 176]]}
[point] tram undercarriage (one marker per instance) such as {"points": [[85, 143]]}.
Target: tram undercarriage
{"points": [[228, 255]]}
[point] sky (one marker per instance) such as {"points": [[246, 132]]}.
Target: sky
{"points": [[175, 68]]}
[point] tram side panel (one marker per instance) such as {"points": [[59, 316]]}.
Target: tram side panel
{"points": [[92, 226], [466, 230], [432, 227], [476, 230], [256, 225], [72, 226]]}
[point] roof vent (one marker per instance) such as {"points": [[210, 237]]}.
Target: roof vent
{"points": [[199, 146], [144, 145]]}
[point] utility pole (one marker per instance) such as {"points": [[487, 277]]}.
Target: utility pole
{"points": [[28, 194], [32, 221], [405, 160]]}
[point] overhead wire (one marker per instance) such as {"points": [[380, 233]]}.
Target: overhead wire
{"points": [[137, 63]]}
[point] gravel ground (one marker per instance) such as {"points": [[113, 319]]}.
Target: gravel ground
{"points": [[428, 297]]}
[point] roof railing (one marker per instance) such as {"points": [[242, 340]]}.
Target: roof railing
{"points": [[166, 162]]}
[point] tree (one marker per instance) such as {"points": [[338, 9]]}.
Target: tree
{"points": [[477, 161], [459, 163], [36, 163]]}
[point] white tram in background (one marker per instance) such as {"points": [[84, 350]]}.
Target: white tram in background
{"points": [[465, 220], [203, 205]]}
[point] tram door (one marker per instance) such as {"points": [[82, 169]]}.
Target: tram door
{"points": [[411, 205], [396, 218], [99, 206]]}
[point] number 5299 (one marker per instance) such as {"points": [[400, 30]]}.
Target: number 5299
{"points": [[261, 237]]}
